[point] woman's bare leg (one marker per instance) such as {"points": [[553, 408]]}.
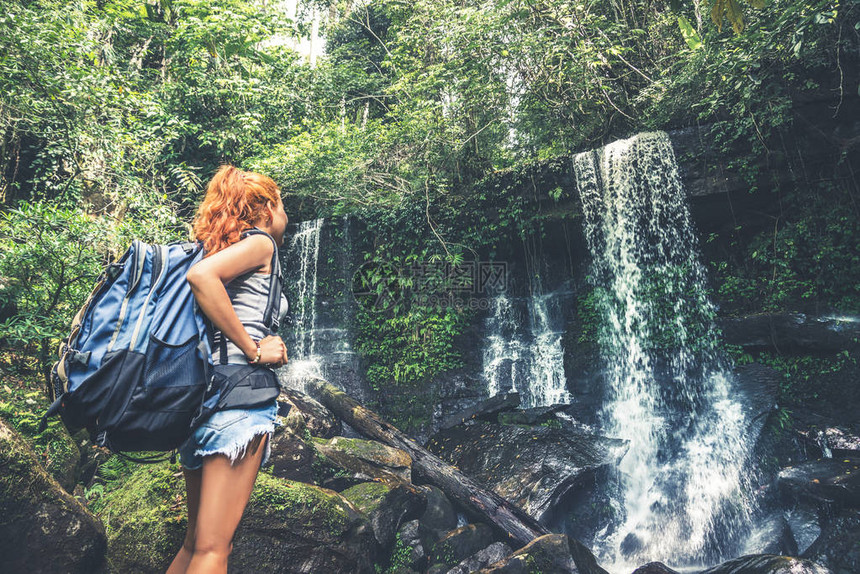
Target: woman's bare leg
{"points": [[224, 493], [192, 489]]}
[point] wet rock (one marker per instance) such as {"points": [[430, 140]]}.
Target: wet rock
{"points": [[368, 457], [489, 555], [288, 527], [411, 538], [654, 568], [301, 411], [768, 564], [461, 543], [533, 467], [791, 332], [759, 385], [439, 517], [386, 506], [531, 416], [43, 528], [833, 441], [488, 407], [837, 547], [804, 525], [549, 554], [291, 457], [825, 481], [631, 545], [771, 535]]}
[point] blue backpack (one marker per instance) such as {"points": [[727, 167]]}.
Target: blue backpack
{"points": [[136, 369]]}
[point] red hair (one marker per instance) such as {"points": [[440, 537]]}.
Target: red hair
{"points": [[235, 200]]}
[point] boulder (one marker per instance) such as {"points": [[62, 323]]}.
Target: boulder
{"points": [[302, 529], [833, 441], [760, 385], [411, 539], [369, 457], [767, 564], [485, 408], [530, 416], [837, 547], [771, 535], [791, 332], [492, 553], [288, 527], [301, 411], [654, 568], [548, 554], [439, 516], [533, 467], [826, 481], [386, 506], [291, 457], [42, 527], [805, 527], [461, 543]]}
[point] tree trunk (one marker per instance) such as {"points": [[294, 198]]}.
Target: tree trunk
{"points": [[426, 466]]}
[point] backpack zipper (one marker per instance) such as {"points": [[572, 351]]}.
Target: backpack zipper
{"points": [[161, 253]]}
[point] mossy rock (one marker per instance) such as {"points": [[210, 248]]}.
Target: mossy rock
{"points": [[297, 528], [460, 543], [22, 404], [368, 457], [41, 525], [548, 554], [367, 496], [288, 527], [145, 518], [387, 506]]}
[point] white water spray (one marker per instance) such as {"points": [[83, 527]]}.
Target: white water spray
{"points": [[304, 250], [531, 363], [682, 496]]}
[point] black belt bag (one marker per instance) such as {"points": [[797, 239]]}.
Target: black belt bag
{"points": [[245, 386], [238, 386]]}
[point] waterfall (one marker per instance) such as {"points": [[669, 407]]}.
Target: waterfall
{"points": [[302, 255], [528, 363], [682, 495], [504, 351]]}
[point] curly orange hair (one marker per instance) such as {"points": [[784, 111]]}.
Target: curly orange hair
{"points": [[235, 200]]}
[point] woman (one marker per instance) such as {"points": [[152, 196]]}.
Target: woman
{"points": [[221, 459]]}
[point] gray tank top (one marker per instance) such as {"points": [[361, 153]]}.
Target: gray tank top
{"points": [[249, 294]]}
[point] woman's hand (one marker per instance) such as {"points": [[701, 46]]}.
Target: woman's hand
{"points": [[273, 351]]}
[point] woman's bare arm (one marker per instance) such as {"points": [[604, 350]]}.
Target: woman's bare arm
{"points": [[208, 278]]}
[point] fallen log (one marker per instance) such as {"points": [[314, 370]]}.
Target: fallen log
{"points": [[496, 510]]}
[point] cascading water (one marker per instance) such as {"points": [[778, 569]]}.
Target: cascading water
{"points": [[528, 363], [682, 494], [303, 253], [504, 351]]}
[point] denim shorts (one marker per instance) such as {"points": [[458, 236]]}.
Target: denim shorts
{"points": [[229, 432]]}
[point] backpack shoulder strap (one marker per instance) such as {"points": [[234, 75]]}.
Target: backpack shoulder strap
{"points": [[270, 317]]}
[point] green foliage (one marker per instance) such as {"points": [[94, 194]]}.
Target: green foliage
{"points": [[808, 260], [806, 377], [49, 260]]}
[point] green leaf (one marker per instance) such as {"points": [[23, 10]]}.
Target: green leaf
{"points": [[691, 37]]}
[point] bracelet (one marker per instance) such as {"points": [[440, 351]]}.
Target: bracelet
{"points": [[259, 354]]}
